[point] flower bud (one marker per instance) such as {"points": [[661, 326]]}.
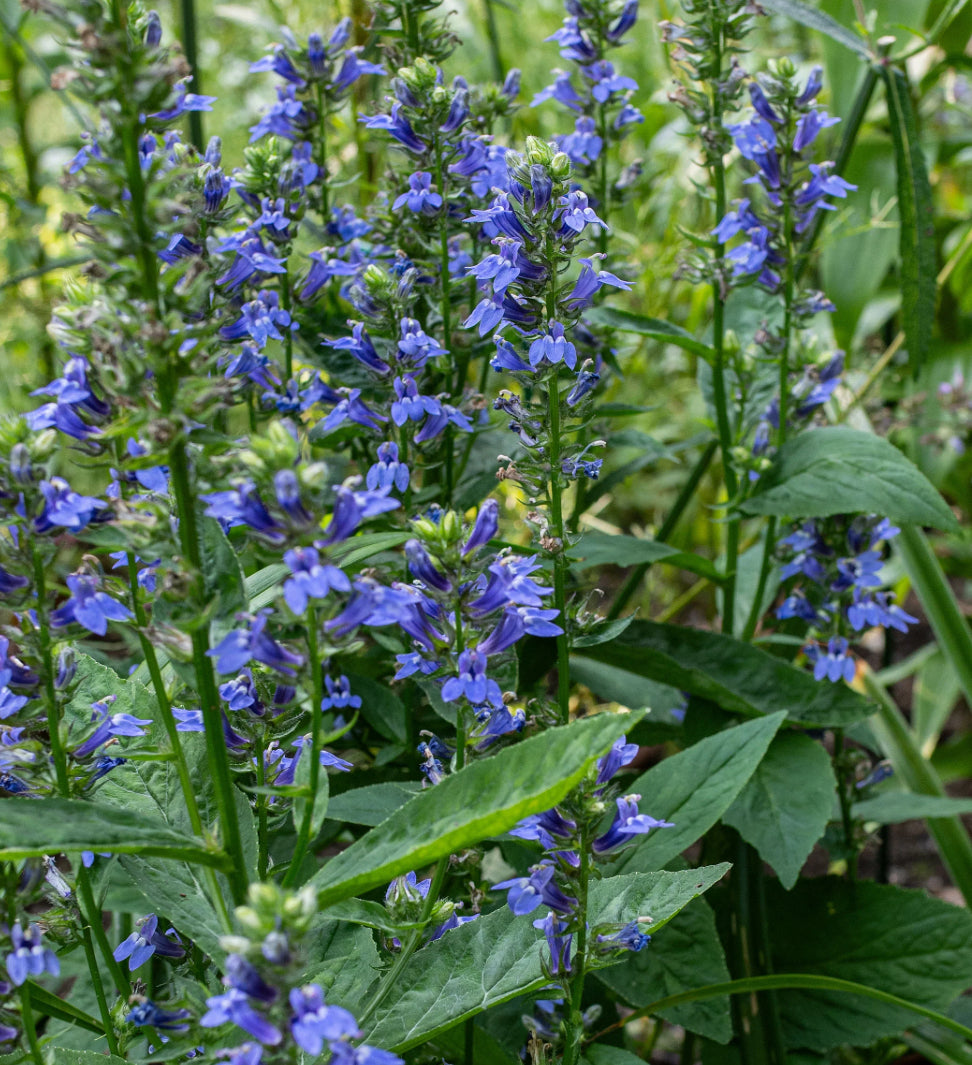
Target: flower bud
{"points": [[20, 467], [560, 166]]}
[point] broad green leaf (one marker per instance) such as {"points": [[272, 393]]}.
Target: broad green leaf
{"points": [[497, 957], [893, 807], [602, 1054], [836, 470], [695, 787], [898, 941], [381, 707], [916, 214], [176, 891], [68, 1056], [616, 685], [732, 674], [320, 800], [481, 800], [344, 960], [371, 804], [365, 912], [603, 549], [815, 19], [656, 328], [936, 690], [368, 545], [486, 1048], [34, 827], [784, 808], [688, 954], [94, 681]]}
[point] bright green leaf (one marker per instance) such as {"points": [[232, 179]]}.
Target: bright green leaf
{"points": [[893, 807], [604, 549], [656, 328], [371, 804]]}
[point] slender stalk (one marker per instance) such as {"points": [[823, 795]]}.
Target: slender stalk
{"points": [[263, 826], [317, 722], [492, 35], [844, 795], [685, 496], [30, 1029], [285, 303], [574, 1028], [92, 915], [190, 47], [58, 754], [560, 558], [322, 174], [99, 989], [175, 740]]}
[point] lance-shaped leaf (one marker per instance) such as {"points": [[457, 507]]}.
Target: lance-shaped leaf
{"points": [[497, 957], [818, 20], [33, 827], [483, 799], [836, 470], [735, 675], [655, 328]]}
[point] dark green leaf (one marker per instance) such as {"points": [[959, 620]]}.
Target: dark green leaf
{"points": [[893, 807], [688, 954], [344, 960], [365, 912], [732, 674], [34, 827], [898, 941], [836, 470], [481, 800], [615, 685], [320, 799], [381, 707], [695, 787], [371, 804], [656, 328], [818, 20], [222, 577], [784, 808], [497, 957], [603, 549], [45, 1002], [916, 213]]}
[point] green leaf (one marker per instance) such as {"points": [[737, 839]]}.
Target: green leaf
{"points": [[656, 328], [836, 470], [497, 957], [373, 803], [916, 212], [381, 707], [222, 578], [784, 808], [602, 549], [818, 20], [689, 954], [320, 800], [94, 681], [343, 960], [481, 800], [175, 890], [893, 807], [695, 787], [54, 1006], [898, 941], [370, 914], [34, 827], [602, 1054], [732, 674]]}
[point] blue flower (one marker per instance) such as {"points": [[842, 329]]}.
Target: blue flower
{"points": [[627, 822], [630, 937], [313, 1023], [562, 90], [557, 941], [110, 725], [233, 1007], [834, 663], [339, 694], [246, 978], [241, 646], [416, 347], [621, 754], [147, 1014], [88, 606], [29, 956], [553, 348], [809, 126], [387, 472], [64, 508], [311, 578], [242, 505], [144, 942], [420, 198], [576, 214], [398, 126], [471, 682], [527, 893]]}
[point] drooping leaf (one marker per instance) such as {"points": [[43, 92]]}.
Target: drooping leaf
{"points": [[784, 808], [916, 213], [380, 707], [893, 807], [34, 827], [889, 938], [689, 954], [601, 549], [497, 957], [54, 1006], [483, 799], [694, 788], [820, 21], [735, 675], [836, 470], [656, 328], [371, 804]]}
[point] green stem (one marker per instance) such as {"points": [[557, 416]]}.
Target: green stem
{"points": [[949, 833], [574, 1028], [263, 826], [317, 722], [844, 786], [175, 740], [667, 527], [99, 989], [58, 754], [322, 174], [30, 1030], [91, 914], [560, 557], [191, 50], [205, 682], [285, 304], [492, 35], [785, 982]]}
